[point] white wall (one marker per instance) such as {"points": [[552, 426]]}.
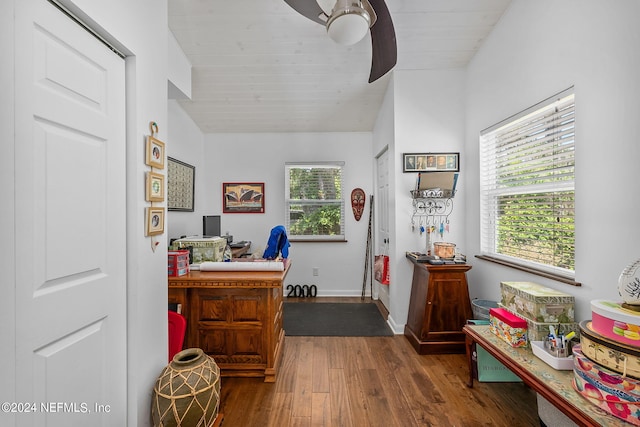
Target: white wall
{"points": [[428, 117], [222, 158], [538, 49], [261, 158], [179, 70], [187, 146]]}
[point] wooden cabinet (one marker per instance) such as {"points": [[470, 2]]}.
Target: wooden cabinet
{"points": [[235, 317], [439, 308]]}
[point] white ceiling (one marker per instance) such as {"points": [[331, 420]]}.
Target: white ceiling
{"points": [[259, 66]]}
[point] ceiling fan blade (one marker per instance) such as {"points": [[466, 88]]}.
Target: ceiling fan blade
{"points": [[309, 9], [384, 53]]}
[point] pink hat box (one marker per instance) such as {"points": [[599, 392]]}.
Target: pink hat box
{"points": [[608, 390], [615, 322]]}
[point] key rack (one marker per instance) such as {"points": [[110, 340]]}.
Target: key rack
{"points": [[432, 207]]}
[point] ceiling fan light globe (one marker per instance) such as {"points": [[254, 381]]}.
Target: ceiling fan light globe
{"points": [[348, 26]]}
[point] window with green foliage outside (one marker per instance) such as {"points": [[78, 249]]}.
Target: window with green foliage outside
{"points": [[314, 201], [527, 187]]}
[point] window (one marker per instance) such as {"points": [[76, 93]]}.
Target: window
{"points": [[527, 187], [314, 201]]}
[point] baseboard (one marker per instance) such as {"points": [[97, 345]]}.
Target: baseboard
{"points": [[397, 328]]}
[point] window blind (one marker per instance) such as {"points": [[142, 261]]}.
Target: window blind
{"points": [[527, 187], [314, 203]]}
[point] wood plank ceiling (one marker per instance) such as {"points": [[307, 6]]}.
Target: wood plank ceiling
{"points": [[259, 66]]}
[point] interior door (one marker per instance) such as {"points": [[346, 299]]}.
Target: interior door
{"points": [[70, 222], [382, 219]]}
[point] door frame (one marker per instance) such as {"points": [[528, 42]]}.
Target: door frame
{"points": [[386, 297], [7, 207]]}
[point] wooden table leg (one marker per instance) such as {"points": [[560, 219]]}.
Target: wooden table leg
{"points": [[469, 347]]}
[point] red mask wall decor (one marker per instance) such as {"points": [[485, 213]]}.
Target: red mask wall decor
{"points": [[357, 202]]}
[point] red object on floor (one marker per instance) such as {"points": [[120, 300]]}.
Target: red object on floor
{"points": [[177, 329]]}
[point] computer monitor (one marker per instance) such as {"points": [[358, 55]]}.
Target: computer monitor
{"points": [[211, 225]]}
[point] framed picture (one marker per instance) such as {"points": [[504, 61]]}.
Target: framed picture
{"points": [[431, 162], [155, 153], [243, 197], [155, 187], [155, 221], [181, 185]]}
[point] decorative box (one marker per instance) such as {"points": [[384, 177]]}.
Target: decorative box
{"points": [[615, 322], [616, 356], [203, 248], [537, 302], [177, 263], [614, 393], [511, 328], [539, 331]]}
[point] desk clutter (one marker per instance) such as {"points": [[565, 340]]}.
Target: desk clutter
{"points": [[541, 307], [548, 314], [436, 260], [532, 315], [604, 356], [214, 253], [202, 248]]}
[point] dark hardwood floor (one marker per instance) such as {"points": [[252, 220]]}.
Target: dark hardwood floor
{"points": [[372, 381]]}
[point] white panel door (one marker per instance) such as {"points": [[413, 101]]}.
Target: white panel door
{"points": [[382, 219], [70, 222]]}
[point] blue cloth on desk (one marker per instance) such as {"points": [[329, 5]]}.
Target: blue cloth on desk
{"points": [[278, 243]]}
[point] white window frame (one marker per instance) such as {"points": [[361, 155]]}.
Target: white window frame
{"points": [[512, 155], [340, 202]]}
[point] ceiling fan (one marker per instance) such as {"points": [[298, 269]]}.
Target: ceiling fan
{"points": [[348, 21]]}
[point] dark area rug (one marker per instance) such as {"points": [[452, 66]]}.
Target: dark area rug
{"points": [[334, 320]]}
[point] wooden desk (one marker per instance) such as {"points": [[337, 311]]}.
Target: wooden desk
{"points": [[438, 309], [555, 386], [235, 317]]}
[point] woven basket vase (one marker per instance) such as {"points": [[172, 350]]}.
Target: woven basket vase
{"points": [[187, 392]]}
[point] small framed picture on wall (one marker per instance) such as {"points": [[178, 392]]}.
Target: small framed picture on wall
{"points": [[154, 155], [155, 221], [431, 162], [155, 187]]}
